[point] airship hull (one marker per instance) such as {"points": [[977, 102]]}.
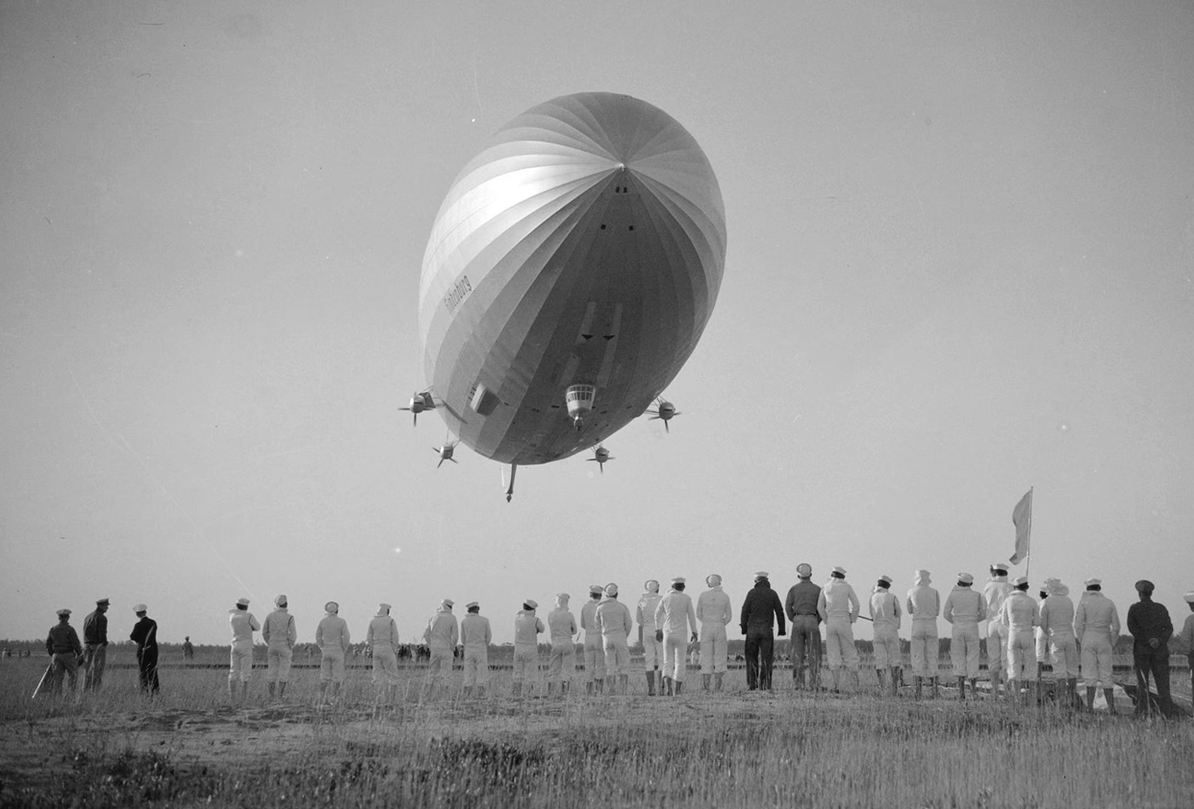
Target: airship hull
{"points": [[583, 246]]}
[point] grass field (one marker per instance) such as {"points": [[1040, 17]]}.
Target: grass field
{"points": [[189, 747]]}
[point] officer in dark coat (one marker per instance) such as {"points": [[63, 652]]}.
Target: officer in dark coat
{"points": [[145, 635], [1151, 629], [760, 605]]}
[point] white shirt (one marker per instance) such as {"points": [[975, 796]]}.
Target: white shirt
{"points": [[838, 600], [885, 610], [243, 625], [382, 629], [713, 605], [675, 613]]}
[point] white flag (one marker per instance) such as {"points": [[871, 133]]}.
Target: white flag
{"points": [[1022, 519]]}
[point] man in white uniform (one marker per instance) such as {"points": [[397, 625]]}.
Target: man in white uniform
{"points": [[382, 638], [475, 635], [527, 628], [676, 620], [594, 652], [714, 612], [280, 635], [441, 635], [1043, 657], [924, 605], [652, 648], [995, 593], [1019, 615], [838, 607], [964, 608], [886, 615], [561, 624], [333, 640], [240, 668], [1057, 620], [1096, 624], [615, 623]]}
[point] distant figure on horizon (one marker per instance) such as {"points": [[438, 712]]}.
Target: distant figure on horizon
{"points": [[615, 623], [964, 608], [760, 604], [1151, 629], [924, 605], [562, 629], [95, 646], [441, 635], [188, 649], [714, 611], [145, 635], [838, 606], [1096, 625], [240, 666], [594, 652], [62, 644], [280, 635], [475, 636], [886, 616], [995, 593], [676, 622], [333, 639], [644, 615], [805, 647]]}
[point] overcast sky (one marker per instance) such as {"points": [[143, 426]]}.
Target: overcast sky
{"points": [[961, 242]]}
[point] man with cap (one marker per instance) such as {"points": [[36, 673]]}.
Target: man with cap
{"points": [[714, 611], [475, 637], [1019, 615], [1096, 625], [995, 593], [240, 667], [838, 607], [1151, 629], [188, 648], [615, 623], [924, 605], [333, 639], [1057, 621], [145, 635], [594, 651], [1043, 657], [805, 646], [95, 646], [644, 614], [1187, 635], [760, 604], [280, 634], [562, 628], [886, 615], [676, 623], [441, 635], [964, 608], [62, 644], [382, 637], [527, 628]]}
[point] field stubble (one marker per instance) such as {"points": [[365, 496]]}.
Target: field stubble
{"points": [[739, 748]]}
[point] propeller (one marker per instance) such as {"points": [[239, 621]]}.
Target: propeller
{"points": [[601, 455], [665, 411], [418, 403], [445, 452]]}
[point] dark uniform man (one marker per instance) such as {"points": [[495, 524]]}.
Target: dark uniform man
{"points": [[188, 649], [145, 635], [95, 646], [761, 603], [805, 646], [64, 649], [1151, 629]]}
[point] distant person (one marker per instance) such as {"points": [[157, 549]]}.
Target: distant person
{"points": [[95, 646], [714, 611], [886, 615], [805, 646], [62, 644], [188, 649], [382, 637], [240, 668], [1151, 629], [441, 635], [1019, 615], [280, 635], [995, 593], [145, 635], [562, 629], [675, 622], [644, 614], [1096, 625], [838, 607], [1057, 616], [333, 639], [527, 628], [475, 636], [594, 651], [760, 604], [615, 623], [964, 608], [1187, 635], [924, 605]]}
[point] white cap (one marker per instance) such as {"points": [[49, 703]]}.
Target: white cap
{"points": [[532, 603], [449, 603], [562, 598], [1016, 582], [611, 589], [841, 571], [280, 601], [1189, 597], [804, 570], [63, 611], [713, 580], [472, 604], [762, 574], [242, 602], [965, 578], [140, 608], [1093, 582], [596, 589], [383, 609], [885, 578], [1000, 566], [331, 606], [651, 586], [679, 580]]}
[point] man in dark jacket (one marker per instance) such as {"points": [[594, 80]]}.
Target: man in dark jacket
{"points": [[1151, 629], [805, 647], [95, 646], [761, 603], [145, 635]]}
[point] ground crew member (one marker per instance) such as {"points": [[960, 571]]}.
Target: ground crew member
{"points": [[1057, 620], [1096, 625], [964, 608], [562, 627], [644, 614], [885, 615], [760, 604], [924, 605], [1187, 634], [382, 637], [594, 651], [805, 646], [715, 613], [614, 622], [527, 628], [838, 607], [333, 639], [95, 646], [475, 636], [280, 634], [676, 622], [240, 666], [145, 635], [1151, 629], [62, 644], [995, 593], [1043, 657], [441, 636], [1019, 615]]}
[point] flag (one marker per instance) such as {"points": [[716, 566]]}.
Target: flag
{"points": [[1022, 519]]}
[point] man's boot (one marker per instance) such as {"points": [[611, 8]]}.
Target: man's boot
{"points": [[1109, 695], [650, 683], [897, 676], [271, 690], [679, 685], [624, 683], [589, 688], [935, 692], [881, 675], [717, 678], [798, 675], [282, 690], [667, 683], [705, 678], [918, 687], [961, 688]]}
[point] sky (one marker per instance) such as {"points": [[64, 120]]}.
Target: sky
{"points": [[961, 248]]}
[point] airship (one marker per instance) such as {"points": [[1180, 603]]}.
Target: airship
{"points": [[569, 274]]}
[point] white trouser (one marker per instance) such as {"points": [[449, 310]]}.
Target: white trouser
{"points": [[996, 647], [963, 649], [1021, 654], [1064, 651], [652, 650], [526, 664], [1097, 651], [924, 648], [331, 664], [887, 647], [675, 649], [713, 648], [439, 669], [562, 663], [385, 664], [617, 653], [277, 661], [241, 661], [476, 666], [594, 657], [839, 643]]}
